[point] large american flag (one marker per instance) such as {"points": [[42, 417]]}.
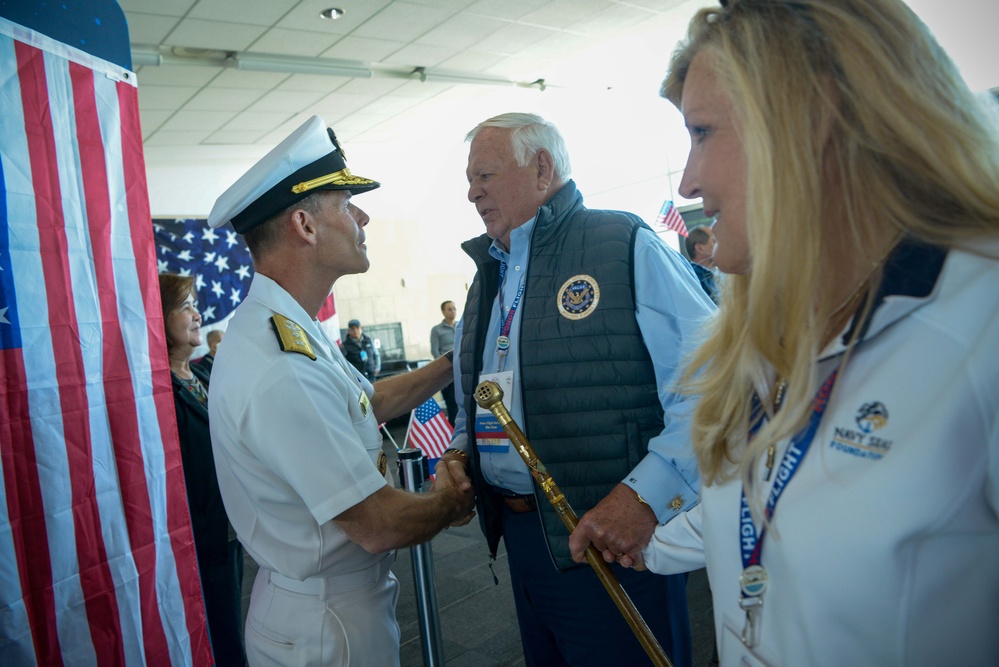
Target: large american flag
{"points": [[220, 263], [429, 430], [669, 218], [97, 560], [217, 258]]}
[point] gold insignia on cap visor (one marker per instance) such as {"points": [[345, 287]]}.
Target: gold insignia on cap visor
{"points": [[578, 297], [342, 177], [309, 159]]}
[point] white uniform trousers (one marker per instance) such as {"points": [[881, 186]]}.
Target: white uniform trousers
{"points": [[346, 621]]}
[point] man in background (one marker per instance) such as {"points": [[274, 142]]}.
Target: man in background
{"points": [[700, 244], [213, 339], [361, 352], [442, 342]]}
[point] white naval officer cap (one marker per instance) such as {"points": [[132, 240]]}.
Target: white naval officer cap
{"points": [[309, 159]]}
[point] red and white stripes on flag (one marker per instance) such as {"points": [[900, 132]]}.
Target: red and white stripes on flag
{"points": [[669, 218], [329, 320], [97, 560], [429, 430]]}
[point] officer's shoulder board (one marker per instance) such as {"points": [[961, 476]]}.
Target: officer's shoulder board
{"points": [[292, 337]]}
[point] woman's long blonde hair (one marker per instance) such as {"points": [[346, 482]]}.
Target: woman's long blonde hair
{"points": [[851, 92]]}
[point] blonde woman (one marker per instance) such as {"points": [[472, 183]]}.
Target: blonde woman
{"points": [[848, 427]]}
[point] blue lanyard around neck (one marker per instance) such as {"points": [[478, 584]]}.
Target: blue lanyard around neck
{"points": [[508, 322], [750, 540]]}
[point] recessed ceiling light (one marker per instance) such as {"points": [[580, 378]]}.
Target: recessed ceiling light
{"points": [[332, 13]]}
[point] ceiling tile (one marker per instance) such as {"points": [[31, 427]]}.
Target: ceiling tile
{"points": [[207, 121], [232, 138], [151, 120], [293, 42], [514, 37], [222, 99], [472, 61], [313, 82], [462, 31], [504, 9], [241, 78], [239, 11], [305, 16], [166, 98], [283, 100], [256, 122], [339, 105], [375, 86], [199, 33], [390, 105], [175, 75], [149, 28], [403, 21], [421, 55], [561, 14], [364, 49], [185, 138], [421, 89], [454, 5], [163, 7], [612, 21]]}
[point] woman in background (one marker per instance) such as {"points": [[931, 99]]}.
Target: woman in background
{"points": [[848, 426], [220, 558]]}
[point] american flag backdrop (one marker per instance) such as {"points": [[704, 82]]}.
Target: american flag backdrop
{"points": [[222, 269], [670, 218], [429, 430], [217, 258], [97, 560]]}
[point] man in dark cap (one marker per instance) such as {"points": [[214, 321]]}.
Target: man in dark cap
{"points": [[360, 351], [295, 427]]}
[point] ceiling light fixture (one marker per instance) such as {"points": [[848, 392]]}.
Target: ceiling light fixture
{"points": [[271, 62], [145, 54], [333, 13]]}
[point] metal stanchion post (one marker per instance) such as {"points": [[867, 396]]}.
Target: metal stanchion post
{"points": [[412, 470]]}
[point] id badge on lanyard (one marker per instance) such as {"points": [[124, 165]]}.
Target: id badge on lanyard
{"points": [[489, 434]]}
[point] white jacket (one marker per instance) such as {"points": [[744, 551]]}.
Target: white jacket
{"points": [[884, 548]]}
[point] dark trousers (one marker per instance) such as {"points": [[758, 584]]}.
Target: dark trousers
{"points": [[222, 586], [567, 618], [452, 405]]}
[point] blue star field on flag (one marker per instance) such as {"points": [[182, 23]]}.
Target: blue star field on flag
{"points": [[217, 258]]}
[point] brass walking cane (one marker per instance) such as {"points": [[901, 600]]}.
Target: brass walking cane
{"points": [[489, 395]]}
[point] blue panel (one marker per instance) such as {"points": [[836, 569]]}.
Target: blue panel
{"points": [[95, 26]]}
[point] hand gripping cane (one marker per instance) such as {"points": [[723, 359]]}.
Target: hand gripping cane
{"points": [[489, 395]]}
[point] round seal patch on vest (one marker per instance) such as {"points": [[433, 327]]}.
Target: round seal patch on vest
{"points": [[578, 297]]}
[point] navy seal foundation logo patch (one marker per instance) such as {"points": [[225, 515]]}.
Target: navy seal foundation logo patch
{"points": [[578, 297], [862, 441]]}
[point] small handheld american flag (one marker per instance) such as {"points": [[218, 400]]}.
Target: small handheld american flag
{"points": [[670, 218], [429, 430]]}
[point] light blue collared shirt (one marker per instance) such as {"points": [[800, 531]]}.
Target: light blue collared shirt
{"points": [[671, 308]]}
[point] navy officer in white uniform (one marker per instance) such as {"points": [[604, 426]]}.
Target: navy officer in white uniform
{"points": [[295, 427]]}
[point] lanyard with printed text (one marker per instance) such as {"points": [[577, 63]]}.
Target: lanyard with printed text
{"points": [[503, 340], [753, 580]]}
